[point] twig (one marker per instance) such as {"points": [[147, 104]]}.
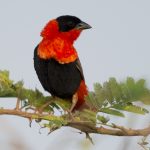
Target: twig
{"points": [[144, 143], [17, 104], [44, 106]]}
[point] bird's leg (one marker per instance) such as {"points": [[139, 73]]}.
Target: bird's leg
{"points": [[74, 101]]}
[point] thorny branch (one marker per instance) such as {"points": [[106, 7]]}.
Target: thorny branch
{"points": [[87, 127]]}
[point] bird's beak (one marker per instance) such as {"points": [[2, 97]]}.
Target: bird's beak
{"points": [[82, 26]]}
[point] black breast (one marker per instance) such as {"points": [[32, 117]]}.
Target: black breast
{"points": [[61, 80]]}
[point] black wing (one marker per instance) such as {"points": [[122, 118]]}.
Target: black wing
{"points": [[61, 80], [64, 79], [41, 68], [79, 67]]}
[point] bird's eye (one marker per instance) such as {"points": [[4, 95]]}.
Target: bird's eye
{"points": [[70, 23]]}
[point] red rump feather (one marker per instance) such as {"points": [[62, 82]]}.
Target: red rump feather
{"points": [[82, 92]]}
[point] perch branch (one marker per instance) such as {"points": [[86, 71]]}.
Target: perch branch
{"points": [[87, 127]]}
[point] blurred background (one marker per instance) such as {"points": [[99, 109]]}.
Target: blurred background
{"points": [[117, 46]]}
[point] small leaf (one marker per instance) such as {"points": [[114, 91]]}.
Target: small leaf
{"points": [[115, 89], [108, 92], [99, 94], [91, 100], [131, 108], [146, 99], [64, 104], [112, 112], [88, 115], [102, 119]]}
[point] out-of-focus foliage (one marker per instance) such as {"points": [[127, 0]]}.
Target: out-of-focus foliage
{"points": [[111, 97], [30, 98]]}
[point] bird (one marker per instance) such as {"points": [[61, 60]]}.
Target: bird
{"points": [[56, 60]]}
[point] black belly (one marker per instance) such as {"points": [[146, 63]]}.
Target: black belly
{"points": [[61, 80]]}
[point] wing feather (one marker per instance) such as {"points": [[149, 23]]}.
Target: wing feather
{"points": [[79, 67]]}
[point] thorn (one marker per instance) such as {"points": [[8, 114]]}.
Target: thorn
{"points": [[80, 132], [52, 130], [41, 129], [30, 122], [38, 120], [49, 132], [88, 137]]}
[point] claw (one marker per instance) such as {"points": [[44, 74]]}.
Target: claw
{"points": [[88, 137], [30, 122]]}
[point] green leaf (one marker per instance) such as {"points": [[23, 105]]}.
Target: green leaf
{"points": [[108, 92], [4, 78], [54, 123], [102, 119], [6, 85], [88, 115], [99, 94], [115, 89], [64, 104], [112, 112], [91, 100], [136, 88], [131, 108], [146, 99]]}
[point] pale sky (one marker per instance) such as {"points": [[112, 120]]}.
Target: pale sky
{"points": [[118, 45]]}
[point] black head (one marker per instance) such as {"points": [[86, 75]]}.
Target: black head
{"points": [[67, 23]]}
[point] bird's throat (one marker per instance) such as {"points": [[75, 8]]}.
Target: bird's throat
{"points": [[59, 49]]}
